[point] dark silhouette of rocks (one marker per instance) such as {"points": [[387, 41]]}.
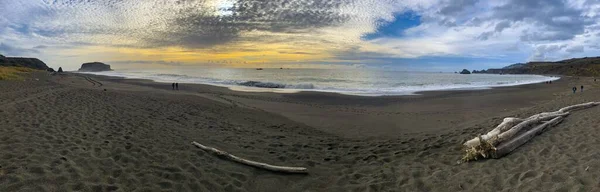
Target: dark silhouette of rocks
{"points": [[94, 67], [23, 62], [465, 71], [60, 70]]}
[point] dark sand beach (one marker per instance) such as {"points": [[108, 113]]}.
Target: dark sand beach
{"points": [[92, 133]]}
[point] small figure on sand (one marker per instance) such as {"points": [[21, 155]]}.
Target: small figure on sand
{"points": [[177, 86], [574, 89], [173, 85], [582, 88]]}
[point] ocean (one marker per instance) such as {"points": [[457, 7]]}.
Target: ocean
{"points": [[366, 82]]}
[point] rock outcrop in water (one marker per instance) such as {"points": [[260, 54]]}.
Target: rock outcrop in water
{"points": [[23, 62], [94, 67], [465, 71]]}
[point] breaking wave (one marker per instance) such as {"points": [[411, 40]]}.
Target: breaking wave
{"points": [[368, 83], [276, 85]]}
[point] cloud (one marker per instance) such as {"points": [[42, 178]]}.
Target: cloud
{"points": [[456, 7], [40, 47], [575, 49], [553, 19], [9, 50], [161, 62], [501, 26], [542, 51], [302, 30]]}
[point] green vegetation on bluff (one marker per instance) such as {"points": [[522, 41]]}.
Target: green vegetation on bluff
{"points": [[33, 63], [587, 66], [13, 73]]}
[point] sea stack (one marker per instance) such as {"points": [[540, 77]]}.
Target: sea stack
{"points": [[94, 67], [465, 71]]}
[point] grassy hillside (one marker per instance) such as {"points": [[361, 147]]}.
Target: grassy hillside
{"points": [[23, 62], [13, 73], [588, 66]]}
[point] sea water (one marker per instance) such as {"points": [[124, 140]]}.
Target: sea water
{"points": [[369, 82]]}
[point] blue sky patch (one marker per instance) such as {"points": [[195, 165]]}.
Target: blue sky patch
{"points": [[401, 22]]}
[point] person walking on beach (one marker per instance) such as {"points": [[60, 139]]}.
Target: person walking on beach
{"points": [[582, 88], [173, 85], [177, 86], [574, 89]]}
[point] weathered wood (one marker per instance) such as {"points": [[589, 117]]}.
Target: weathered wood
{"points": [[510, 123], [512, 131], [506, 124], [578, 106], [527, 123], [546, 114], [510, 145], [275, 168]]}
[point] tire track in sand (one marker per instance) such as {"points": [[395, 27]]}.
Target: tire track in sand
{"points": [[33, 96]]}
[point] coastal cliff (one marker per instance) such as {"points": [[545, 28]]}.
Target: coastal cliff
{"points": [[587, 66], [94, 67], [23, 62]]}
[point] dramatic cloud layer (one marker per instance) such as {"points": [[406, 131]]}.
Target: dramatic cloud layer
{"points": [[428, 34]]}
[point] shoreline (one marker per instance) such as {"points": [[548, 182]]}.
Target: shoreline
{"points": [[75, 132], [306, 106], [242, 88]]}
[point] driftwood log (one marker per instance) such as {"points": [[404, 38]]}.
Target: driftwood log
{"points": [[512, 133], [506, 124], [507, 147], [511, 125], [274, 168], [527, 123]]}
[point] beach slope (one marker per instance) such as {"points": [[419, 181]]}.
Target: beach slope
{"points": [[92, 133]]}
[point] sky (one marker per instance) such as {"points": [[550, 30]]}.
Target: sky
{"points": [[423, 35]]}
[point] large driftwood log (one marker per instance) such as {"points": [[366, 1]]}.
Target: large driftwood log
{"points": [[578, 106], [512, 133], [527, 123], [506, 124], [234, 158], [510, 145], [509, 122]]}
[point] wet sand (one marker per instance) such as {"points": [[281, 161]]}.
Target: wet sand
{"points": [[94, 133]]}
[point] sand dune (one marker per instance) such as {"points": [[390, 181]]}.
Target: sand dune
{"points": [[69, 133]]}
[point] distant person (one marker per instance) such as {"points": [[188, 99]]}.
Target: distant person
{"points": [[574, 89], [177, 86], [550, 82], [582, 88], [173, 86]]}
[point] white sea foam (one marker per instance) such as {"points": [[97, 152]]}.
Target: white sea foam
{"points": [[352, 82]]}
